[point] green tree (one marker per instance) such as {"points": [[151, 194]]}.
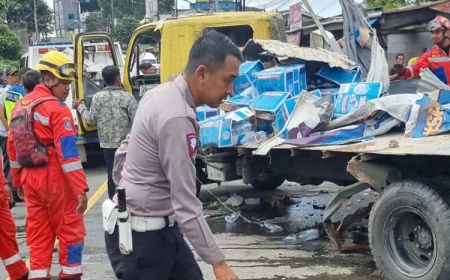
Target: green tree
{"points": [[124, 28], [166, 6], [390, 4], [95, 22], [18, 11], [10, 48]]}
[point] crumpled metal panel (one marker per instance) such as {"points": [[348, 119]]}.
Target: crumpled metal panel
{"points": [[285, 51], [429, 82]]}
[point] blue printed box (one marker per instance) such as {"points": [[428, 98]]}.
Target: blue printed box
{"points": [[226, 130], [278, 104], [204, 112], [275, 79], [353, 96], [321, 93], [245, 98], [247, 77], [299, 79], [338, 75]]}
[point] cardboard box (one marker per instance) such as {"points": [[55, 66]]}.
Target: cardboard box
{"points": [[299, 79], [226, 130], [277, 104], [247, 77], [339, 76], [204, 112], [352, 96], [245, 98], [275, 79]]}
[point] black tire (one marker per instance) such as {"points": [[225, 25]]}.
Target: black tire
{"points": [[409, 230], [266, 182]]}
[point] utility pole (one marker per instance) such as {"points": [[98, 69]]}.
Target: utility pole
{"points": [[216, 6], [112, 17], [36, 29], [77, 3], [151, 9]]}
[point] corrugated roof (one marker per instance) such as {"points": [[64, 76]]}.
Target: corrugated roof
{"points": [[284, 51]]}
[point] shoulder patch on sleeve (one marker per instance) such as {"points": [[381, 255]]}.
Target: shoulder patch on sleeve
{"points": [[68, 124], [192, 144]]}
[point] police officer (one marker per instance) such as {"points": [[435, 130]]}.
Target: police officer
{"points": [[159, 173]]}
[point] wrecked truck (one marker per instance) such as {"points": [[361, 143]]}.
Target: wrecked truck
{"points": [[408, 225]]}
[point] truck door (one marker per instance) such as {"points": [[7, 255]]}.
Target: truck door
{"points": [[92, 52]]}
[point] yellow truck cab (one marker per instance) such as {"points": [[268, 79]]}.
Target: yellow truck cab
{"points": [[169, 41]]}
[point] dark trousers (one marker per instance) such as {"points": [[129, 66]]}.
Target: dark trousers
{"points": [[3, 141], [109, 162], [157, 255]]}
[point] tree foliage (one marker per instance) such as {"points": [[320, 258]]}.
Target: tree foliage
{"points": [[10, 47], [390, 4], [127, 14], [95, 22], [21, 11], [124, 28]]}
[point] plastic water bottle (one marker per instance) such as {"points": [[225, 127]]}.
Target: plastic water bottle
{"points": [[271, 227], [252, 137], [233, 217]]}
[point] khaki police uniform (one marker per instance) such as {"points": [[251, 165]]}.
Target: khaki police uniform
{"points": [[159, 179]]}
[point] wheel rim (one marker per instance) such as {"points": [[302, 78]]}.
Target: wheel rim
{"points": [[411, 241]]}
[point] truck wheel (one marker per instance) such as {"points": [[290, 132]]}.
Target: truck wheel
{"points": [[409, 233], [266, 182]]}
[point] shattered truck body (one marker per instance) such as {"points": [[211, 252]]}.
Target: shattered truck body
{"points": [[393, 144]]}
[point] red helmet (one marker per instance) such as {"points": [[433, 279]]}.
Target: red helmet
{"points": [[439, 23]]}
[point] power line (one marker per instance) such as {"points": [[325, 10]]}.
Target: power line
{"points": [[327, 7]]}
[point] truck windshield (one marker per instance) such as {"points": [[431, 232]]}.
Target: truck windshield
{"points": [[144, 65]]}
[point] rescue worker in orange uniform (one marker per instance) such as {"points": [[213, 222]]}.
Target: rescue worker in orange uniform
{"points": [[9, 251], [55, 193], [438, 58]]}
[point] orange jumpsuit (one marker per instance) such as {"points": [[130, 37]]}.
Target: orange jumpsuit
{"points": [[9, 251], [51, 190], [436, 60]]}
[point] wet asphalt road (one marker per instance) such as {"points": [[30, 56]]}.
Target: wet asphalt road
{"points": [[253, 251]]}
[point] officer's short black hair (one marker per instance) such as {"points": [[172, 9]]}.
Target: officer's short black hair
{"points": [[211, 49], [109, 74], [399, 54], [30, 79]]}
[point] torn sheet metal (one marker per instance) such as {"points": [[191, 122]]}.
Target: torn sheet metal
{"points": [[429, 82], [307, 115], [283, 51], [374, 118]]}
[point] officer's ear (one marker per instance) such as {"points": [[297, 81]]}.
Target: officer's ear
{"points": [[202, 73]]}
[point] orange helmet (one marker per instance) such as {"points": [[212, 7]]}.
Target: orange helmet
{"points": [[439, 23]]}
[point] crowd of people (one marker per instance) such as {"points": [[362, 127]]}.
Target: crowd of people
{"points": [[38, 134]]}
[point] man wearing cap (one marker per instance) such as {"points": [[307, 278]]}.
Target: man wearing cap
{"points": [[55, 193], [437, 59], [15, 93]]}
